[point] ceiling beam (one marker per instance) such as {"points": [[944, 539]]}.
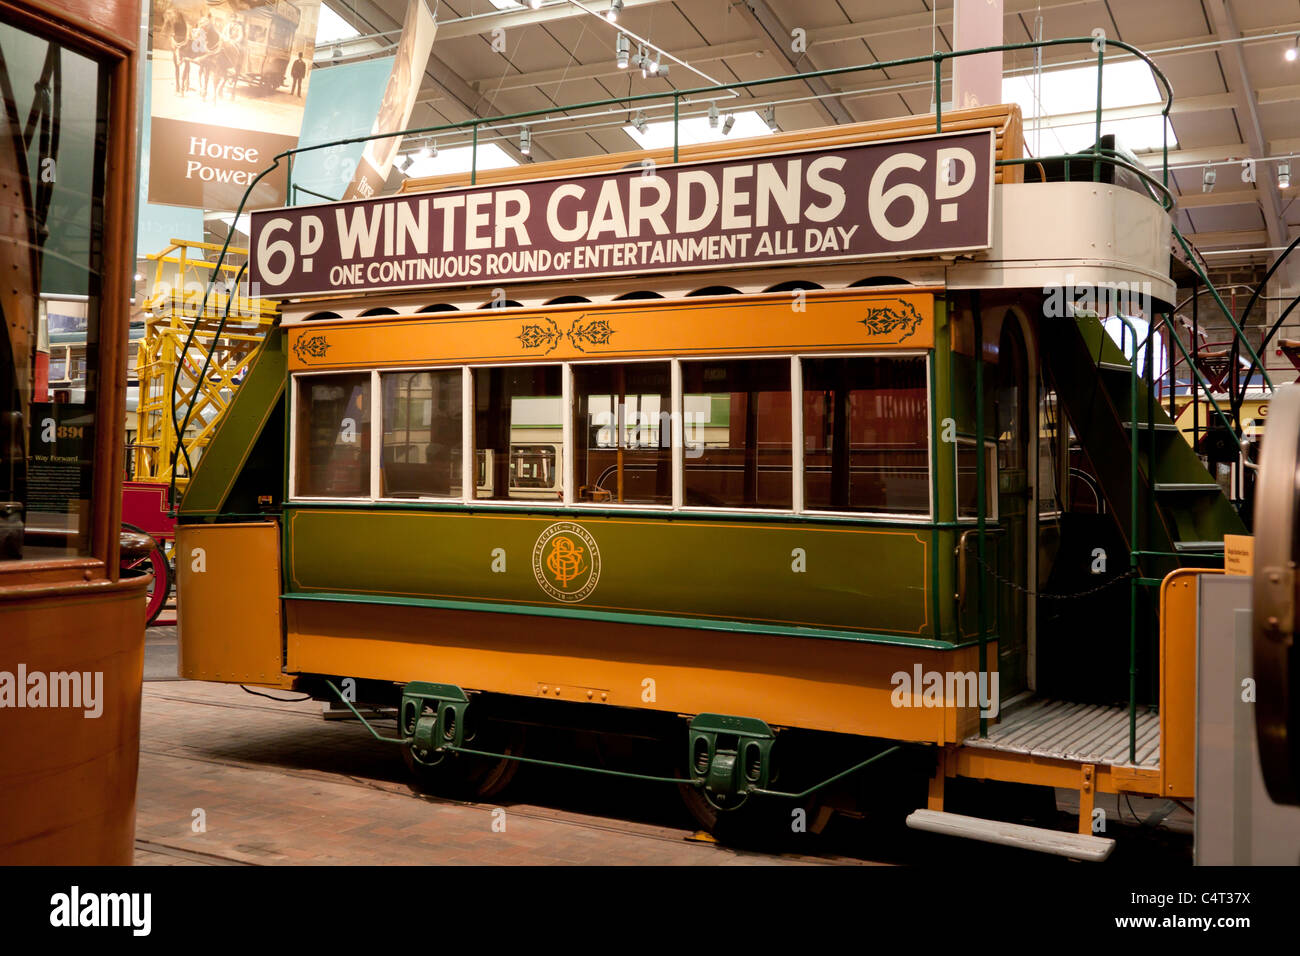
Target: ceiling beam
{"points": [[525, 17], [1226, 197], [607, 67], [1228, 237], [768, 27], [911, 22], [462, 97], [1238, 80]]}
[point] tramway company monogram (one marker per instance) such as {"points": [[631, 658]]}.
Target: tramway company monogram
{"points": [[566, 562]]}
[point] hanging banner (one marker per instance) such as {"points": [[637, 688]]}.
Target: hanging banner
{"points": [[926, 195], [227, 90], [399, 99]]}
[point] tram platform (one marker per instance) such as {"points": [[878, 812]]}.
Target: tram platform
{"points": [[1082, 733]]}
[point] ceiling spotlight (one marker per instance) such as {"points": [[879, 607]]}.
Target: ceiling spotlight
{"points": [[433, 149], [614, 10], [655, 66], [642, 60], [1293, 51], [1283, 175], [535, 4], [729, 122], [769, 117], [404, 163], [639, 121], [622, 47], [139, 277], [525, 141], [1208, 180], [338, 51], [424, 152], [713, 116]]}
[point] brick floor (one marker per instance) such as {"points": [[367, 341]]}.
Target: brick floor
{"points": [[278, 784]]}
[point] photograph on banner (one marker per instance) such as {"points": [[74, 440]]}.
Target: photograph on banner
{"points": [[227, 92], [403, 87]]}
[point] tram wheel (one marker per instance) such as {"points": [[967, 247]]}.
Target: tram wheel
{"points": [[467, 776], [156, 562]]}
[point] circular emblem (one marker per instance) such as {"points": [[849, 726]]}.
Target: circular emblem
{"points": [[566, 562]]}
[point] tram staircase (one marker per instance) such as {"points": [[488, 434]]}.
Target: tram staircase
{"points": [[1183, 513]]}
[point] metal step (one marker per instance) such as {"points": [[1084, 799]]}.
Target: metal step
{"points": [[1076, 846], [1168, 427], [1115, 367], [1214, 546], [1195, 487]]}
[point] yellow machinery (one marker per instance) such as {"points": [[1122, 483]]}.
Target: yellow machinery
{"points": [[211, 343]]}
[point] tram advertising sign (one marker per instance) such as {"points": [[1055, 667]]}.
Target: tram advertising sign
{"points": [[927, 195]]}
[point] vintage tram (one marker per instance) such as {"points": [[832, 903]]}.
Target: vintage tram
{"points": [[804, 518], [71, 625]]}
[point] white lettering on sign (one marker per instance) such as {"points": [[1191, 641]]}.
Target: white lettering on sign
{"points": [[205, 150]]}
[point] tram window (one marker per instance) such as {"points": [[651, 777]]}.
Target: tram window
{"points": [[58, 365], [623, 433], [518, 433], [866, 435], [422, 449], [332, 458], [736, 417], [967, 480]]}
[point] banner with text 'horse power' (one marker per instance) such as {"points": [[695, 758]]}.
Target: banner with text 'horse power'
{"points": [[229, 82], [923, 196]]}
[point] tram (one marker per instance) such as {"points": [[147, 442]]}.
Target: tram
{"points": [[71, 625], [805, 514]]}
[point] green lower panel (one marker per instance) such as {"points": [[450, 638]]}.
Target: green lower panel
{"points": [[871, 580]]}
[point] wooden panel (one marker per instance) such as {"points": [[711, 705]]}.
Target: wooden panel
{"points": [[1178, 610], [713, 325], [835, 686], [67, 773], [228, 602]]}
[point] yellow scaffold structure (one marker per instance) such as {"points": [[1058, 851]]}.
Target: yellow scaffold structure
{"points": [[172, 317]]}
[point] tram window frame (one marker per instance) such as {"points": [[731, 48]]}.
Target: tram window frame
{"points": [[379, 423], [990, 479], [575, 412], [565, 445], [371, 448], [912, 517], [681, 443]]}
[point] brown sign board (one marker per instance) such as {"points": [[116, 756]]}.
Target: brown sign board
{"points": [[926, 195]]}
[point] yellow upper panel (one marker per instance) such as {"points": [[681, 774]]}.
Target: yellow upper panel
{"points": [[772, 322]]}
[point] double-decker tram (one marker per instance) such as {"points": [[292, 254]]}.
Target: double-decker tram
{"points": [[71, 624], [773, 456]]}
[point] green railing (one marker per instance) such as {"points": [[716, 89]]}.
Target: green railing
{"points": [[1098, 156]]}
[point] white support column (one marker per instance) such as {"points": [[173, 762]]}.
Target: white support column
{"points": [[678, 423], [976, 80], [796, 432], [376, 435], [468, 465]]}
